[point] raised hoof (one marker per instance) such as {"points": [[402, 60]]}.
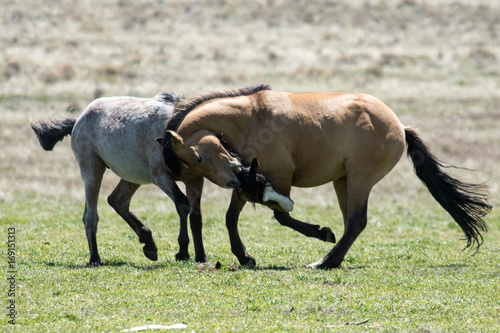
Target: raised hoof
{"points": [[182, 256], [328, 235], [150, 254]]}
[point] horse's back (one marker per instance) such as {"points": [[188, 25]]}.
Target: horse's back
{"points": [[121, 131], [328, 133]]}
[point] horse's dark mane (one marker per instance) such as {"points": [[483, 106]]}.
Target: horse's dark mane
{"points": [[228, 148], [183, 107], [169, 97]]}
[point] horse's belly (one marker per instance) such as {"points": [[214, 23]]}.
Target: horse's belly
{"points": [[129, 156], [132, 172], [129, 164], [320, 173]]}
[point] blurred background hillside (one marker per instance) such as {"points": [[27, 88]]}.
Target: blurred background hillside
{"points": [[435, 63]]}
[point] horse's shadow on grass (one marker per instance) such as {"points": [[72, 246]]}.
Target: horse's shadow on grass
{"points": [[173, 263], [269, 268], [163, 265], [111, 263]]}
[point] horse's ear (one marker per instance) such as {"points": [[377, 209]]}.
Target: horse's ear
{"points": [[160, 141], [255, 163], [176, 139]]}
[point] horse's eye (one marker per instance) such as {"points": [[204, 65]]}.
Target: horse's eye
{"points": [[197, 155]]}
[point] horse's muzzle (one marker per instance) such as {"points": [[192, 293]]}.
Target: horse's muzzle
{"points": [[233, 184]]}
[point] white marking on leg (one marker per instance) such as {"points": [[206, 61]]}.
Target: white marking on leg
{"points": [[271, 195]]}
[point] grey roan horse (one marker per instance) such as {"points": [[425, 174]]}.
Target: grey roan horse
{"points": [[119, 133]]}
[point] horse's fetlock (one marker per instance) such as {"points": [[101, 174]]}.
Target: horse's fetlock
{"points": [[182, 255]]}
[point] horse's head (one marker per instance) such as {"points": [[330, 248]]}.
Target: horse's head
{"points": [[209, 156], [256, 188], [203, 154], [252, 184]]}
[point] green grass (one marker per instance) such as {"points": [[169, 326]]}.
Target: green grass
{"points": [[406, 273]]}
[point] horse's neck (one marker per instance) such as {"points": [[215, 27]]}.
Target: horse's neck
{"points": [[225, 123]]}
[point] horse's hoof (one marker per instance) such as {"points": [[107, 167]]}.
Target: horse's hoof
{"points": [[201, 260], [95, 264], [150, 254], [315, 265], [249, 261], [206, 266], [328, 235], [182, 256], [322, 264]]}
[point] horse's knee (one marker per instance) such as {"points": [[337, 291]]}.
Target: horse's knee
{"points": [[232, 217], [182, 206]]}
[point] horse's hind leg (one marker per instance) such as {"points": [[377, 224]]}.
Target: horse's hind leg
{"points": [[310, 230], [119, 199], [353, 201], [92, 171]]}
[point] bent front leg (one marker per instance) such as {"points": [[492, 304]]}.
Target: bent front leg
{"points": [[325, 234], [232, 216]]}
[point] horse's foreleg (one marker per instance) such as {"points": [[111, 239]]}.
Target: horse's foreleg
{"points": [[237, 246], [168, 185], [194, 190], [119, 199], [182, 207], [310, 230]]}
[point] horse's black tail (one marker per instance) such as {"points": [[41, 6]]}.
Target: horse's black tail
{"points": [[50, 133], [466, 203]]}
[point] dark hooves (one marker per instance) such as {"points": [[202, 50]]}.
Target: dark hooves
{"points": [[95, 264], [328, 235], [151, 254], [249, 261], [182, 256], [202, 259]]}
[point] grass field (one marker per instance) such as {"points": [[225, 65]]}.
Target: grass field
{"points": [[435, 63]]}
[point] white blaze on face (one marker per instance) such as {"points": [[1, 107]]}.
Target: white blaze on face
{"points": [[271, 195]]}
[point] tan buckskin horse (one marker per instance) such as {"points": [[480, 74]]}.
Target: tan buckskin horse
{"points": [[306, 140]]}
